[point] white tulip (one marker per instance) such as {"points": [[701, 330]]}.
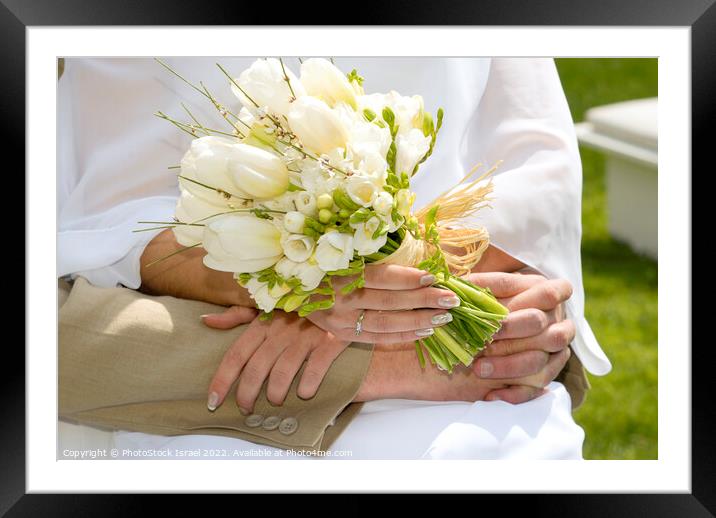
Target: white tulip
{"points": [[361, 190], [241, 244], [190, 209], [294, 221], [382, 202], [298, 247], [317, 127], [324, 80], [260, 293], [334, 251], [309, 274], [207, 162], [305, 203], [363, 241], [258, 172], [412, 147], [264, 83], [246, 117]]}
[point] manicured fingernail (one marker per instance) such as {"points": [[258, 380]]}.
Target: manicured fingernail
{"points": [[486, 368], [494, 398], [202, 317], [427, 280], [244, 411], [213, 401], [439, 320], [424, 332], [449, 302]]}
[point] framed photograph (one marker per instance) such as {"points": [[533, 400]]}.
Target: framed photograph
{"points": [[291, 258]]}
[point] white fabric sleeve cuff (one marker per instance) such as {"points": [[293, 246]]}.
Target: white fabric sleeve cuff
{"points": [[105, 250]]}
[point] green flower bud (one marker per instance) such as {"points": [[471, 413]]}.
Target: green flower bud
{"points": [[325, 215], [324, 201]]}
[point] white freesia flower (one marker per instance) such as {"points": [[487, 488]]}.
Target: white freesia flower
{"points": [[309, 274], [373, 102], [305, 203], [190, 209], [285, 268], [412, 147], [264, 83], [367, 139], [408, 111], [294, 221], [207, 162], [279, 290], [334, 251], [283, 203], [404, 200], [324, 80], [392, 224], [375, 167], [317, 126], [382, 202], [258, 172], [260, 293], [241, 244], [363, 241], [318, 180], [298, 247], [361, 190]]}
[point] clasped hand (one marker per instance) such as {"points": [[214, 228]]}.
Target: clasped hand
{"points": [[400, 306]]}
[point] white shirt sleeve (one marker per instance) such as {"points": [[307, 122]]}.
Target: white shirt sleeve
{"points": [[112, 167], [523, 119]]}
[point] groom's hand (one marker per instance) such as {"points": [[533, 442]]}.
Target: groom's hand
{"points": [[532, 347]]}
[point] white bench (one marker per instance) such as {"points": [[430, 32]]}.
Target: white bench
{"points": [[627, 133]]}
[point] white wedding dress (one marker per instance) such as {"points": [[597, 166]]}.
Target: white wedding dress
{"points": [[112, 172]]}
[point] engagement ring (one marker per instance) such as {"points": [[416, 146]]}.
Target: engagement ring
{"points": [[359, 323]]}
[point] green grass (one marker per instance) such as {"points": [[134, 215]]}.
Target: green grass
{"points": [[620, 413]]}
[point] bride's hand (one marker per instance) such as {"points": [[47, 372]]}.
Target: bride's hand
{"points": [[274, 349], [399, 304]]}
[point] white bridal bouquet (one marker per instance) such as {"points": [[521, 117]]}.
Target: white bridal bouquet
{"points": [[312, 181]]}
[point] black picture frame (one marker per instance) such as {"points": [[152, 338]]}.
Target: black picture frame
{"points": [[699, 15]]}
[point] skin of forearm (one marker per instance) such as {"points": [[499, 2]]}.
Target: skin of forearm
{"points": [[184, 275], [396, 374], [493, 260]]}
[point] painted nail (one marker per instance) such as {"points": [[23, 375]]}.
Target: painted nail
{"points": [[486, 368], [441, 319], [449, 302], [495, 398], [244, 411], [427, 280], [424, 332], [213, 401], [202, 317]]}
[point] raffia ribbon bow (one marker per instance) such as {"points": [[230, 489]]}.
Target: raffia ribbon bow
{"points": [[463, 246]]}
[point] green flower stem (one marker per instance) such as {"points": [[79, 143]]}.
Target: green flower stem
{"points": [[450, 343], [478, 296]]}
